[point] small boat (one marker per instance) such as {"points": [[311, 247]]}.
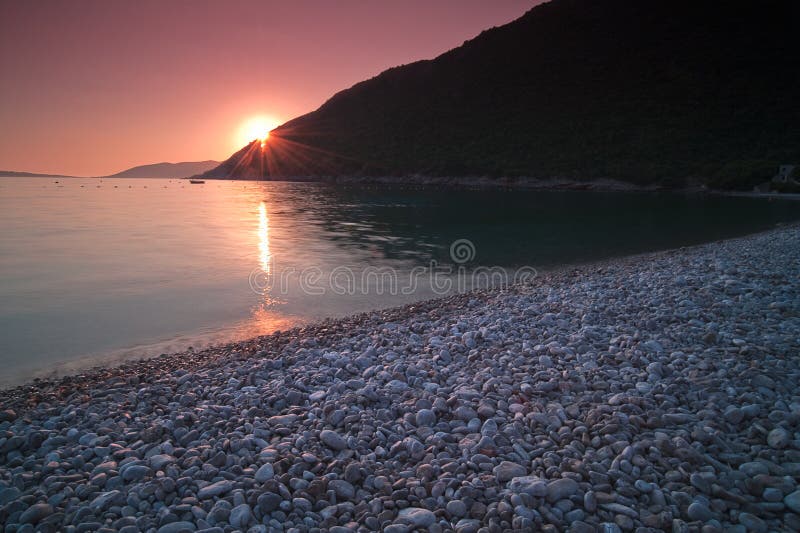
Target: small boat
{"points": [[196, 181]]}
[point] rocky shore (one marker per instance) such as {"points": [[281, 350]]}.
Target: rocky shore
{"points": [[658, 392], [478, 182]]}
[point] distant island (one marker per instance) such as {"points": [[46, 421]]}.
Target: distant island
{"points": [[653, 94], [17, 174], [155, 170], [166, 170]]}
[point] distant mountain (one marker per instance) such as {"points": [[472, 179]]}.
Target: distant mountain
{"points": [[16, 174], [157, 170], [660, 91], [166, 170]]}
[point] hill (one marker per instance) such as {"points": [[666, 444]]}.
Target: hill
{"points": [[665, 91], [166, 170]]}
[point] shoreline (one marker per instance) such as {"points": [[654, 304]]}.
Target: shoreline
{"points": [[654, 391], [280, 337], [513, 184], [469, 183], [220, 350], [765, 195], [479, 183]]}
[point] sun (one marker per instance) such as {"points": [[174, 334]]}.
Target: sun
{"points": [[255, 128]]}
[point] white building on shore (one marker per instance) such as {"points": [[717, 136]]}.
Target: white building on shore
{"points": [[786, 174]]}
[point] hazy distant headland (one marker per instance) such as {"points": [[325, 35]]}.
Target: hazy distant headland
{"points": [[166, 170], [668, 94], [18, 174], [156, 170]]}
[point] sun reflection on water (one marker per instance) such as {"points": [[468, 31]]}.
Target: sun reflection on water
{"points": [[265, 256]]}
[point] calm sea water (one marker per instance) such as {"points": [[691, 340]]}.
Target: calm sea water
{"points": [[96, 272]]}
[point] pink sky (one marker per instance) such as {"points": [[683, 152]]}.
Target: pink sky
{"points": [[91, 87]]}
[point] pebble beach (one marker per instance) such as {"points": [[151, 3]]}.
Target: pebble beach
{"points": [[659, 392]]}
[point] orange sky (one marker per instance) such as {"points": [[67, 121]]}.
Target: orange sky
{"points": [[91, 87]]}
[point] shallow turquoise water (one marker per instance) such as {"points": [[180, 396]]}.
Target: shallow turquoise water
{"points": [[95, 272]]}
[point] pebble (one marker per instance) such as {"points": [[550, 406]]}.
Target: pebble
{"points": [[159, 461], [752, 523], [699, 512], [265, 473], [268, 502], [416, 517], [177, 527], [425, 418], [215, 489], [397, 528], [106, 499], [343, 489], [792, 501], [560, 489], [733, 414], [9, 494], [507, 470], [135, 472], [531, 485], [779, 438], [240, 516], [456, 508], [333, 440], [36, 513]]}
